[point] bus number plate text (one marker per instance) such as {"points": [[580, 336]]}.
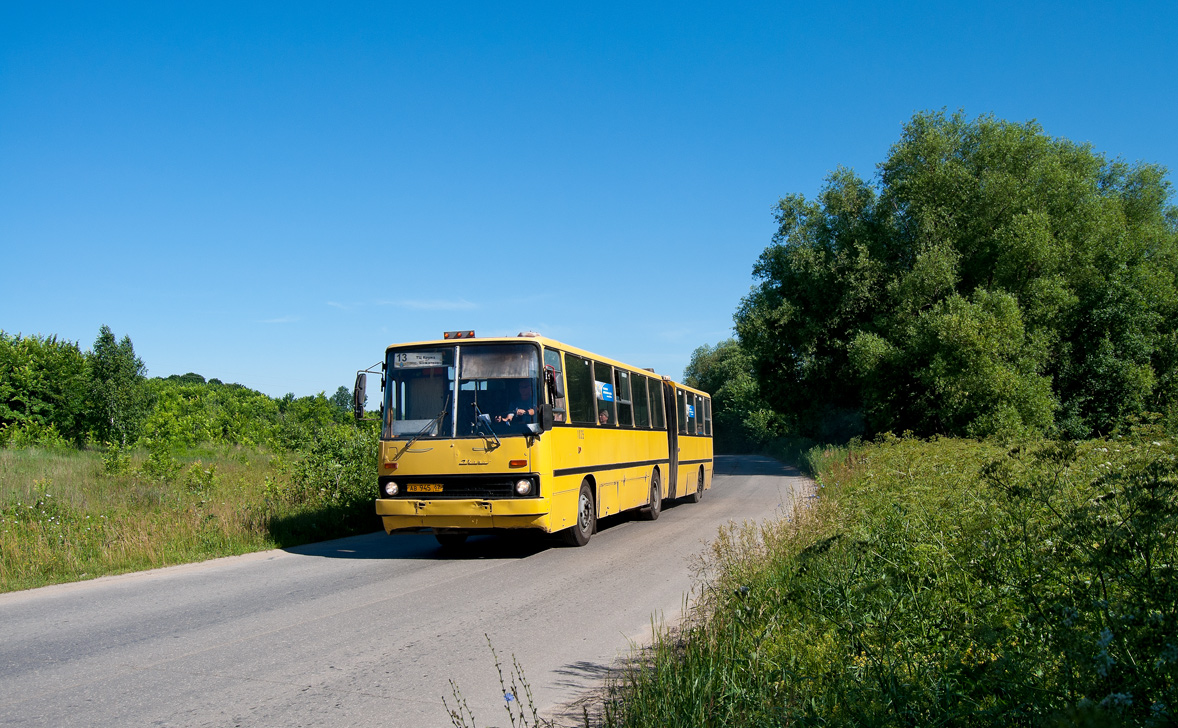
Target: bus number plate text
{"points": [[423, 488]]}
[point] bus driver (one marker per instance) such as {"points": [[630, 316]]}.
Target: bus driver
{"points": [[522, 409]]}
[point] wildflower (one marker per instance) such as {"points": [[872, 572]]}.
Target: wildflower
{"points": [[1169, 654], [1106, 636], [1104, 660], [1117, 700], [508, 697]]}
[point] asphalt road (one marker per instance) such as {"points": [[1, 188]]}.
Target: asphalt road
{"points": [[364, 631]]}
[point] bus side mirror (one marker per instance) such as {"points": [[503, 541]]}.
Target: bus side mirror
{"points": [[546, 416], [359, 396], [554, 381]]}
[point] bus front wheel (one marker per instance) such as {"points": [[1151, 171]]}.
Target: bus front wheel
{"points": [[578, 535]]}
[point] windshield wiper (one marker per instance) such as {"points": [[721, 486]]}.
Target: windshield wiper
{"points": [[482, 419], [432, 424]]}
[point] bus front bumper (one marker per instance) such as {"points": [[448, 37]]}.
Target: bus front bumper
{"points": [[399, 513]]}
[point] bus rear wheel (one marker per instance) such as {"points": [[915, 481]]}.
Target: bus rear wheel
{"points": [[699, 488], [579, 534], [651, 511]]}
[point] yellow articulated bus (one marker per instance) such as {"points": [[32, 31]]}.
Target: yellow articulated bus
{"points": [[526, 432]]}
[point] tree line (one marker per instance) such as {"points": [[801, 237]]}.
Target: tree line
{"points": [[992, 280], [54, 393]]}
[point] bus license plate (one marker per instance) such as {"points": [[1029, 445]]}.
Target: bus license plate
{"points": [[423, 488]]}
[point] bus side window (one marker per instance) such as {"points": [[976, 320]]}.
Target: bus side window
{"points": [[622, 394], [698, 414], [603, 386], [579, 392], [657, 411], [681, 403], [641, 402], [552, 359], [708, 416]]}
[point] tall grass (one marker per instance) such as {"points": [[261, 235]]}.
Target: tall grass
{"points": [[943, 582], [68, 514]]}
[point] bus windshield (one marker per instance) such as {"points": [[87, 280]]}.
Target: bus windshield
{"points": [[423, 398]]}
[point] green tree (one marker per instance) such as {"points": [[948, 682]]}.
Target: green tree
{"points": [[302, 419], [119, 398], [342, 400], [42, 385], [995, 280], [191, 413], [740, 418]]}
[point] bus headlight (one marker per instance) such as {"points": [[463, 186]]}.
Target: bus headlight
{"points": [[523, 486], [390, 489]]}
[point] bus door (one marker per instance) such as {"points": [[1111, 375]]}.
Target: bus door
{"points": [[672, 418]]}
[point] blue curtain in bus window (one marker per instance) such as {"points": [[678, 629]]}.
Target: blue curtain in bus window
{"points": [[603, 385]]}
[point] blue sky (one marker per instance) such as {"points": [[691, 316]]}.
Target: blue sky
{"points": [[271, 194]]}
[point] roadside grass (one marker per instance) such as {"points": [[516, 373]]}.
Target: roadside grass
{"points": [[943, 582], [67, 515]]}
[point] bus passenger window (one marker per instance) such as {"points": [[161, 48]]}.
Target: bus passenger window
{"points": [[657, 411], [622, 394], [698, 414], [641, 402], [604, 389], [580, 390], [681, 405], [552, 359], [708, 417]]}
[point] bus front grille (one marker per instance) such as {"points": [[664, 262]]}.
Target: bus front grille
{"points": [[458, 487]]}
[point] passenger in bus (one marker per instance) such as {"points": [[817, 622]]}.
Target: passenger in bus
{"points": [[522, 410], [603, 417]]}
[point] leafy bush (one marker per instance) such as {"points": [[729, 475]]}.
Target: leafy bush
{"points": [[338, 469], [116, 460], [1088, 546], [32, 433], [940, 583], [43, 382], [160, 464], [201, 479], [329, 490]]}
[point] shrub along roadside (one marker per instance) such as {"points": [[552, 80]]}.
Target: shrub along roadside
{"points": [[939, 582], [67, 515]]}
